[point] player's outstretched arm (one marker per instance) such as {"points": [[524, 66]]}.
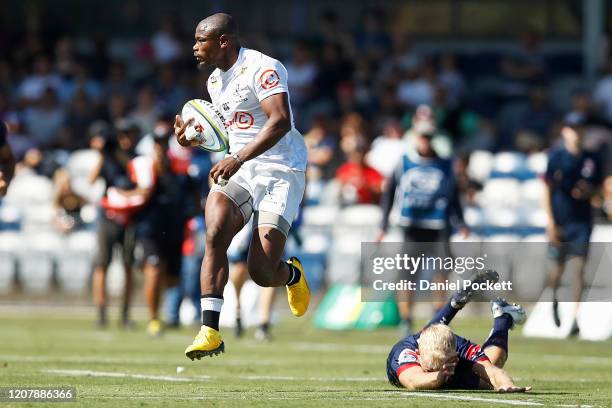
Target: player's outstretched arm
{"points": [[415, 378], [498, 378]]}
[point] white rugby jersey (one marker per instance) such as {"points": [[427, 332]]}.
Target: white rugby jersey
{"points": [[237, 93]]}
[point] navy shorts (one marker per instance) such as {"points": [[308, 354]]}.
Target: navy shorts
{"points": [[575, 239], [155, 252]]}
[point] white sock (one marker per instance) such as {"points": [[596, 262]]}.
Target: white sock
{"points": [[211, 303]]}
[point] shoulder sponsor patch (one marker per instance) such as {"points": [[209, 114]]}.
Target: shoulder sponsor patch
{"points": [[408, 356], [473, 352], [269, 79]]}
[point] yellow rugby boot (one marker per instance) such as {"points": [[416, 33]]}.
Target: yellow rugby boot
{"points": [[208, 342], [154, 328], [298, 294]]}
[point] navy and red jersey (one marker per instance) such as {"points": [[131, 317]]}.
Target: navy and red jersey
{"points": [[405, 354]]}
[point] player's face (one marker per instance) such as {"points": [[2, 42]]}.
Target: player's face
{"points": [[207, 49]]}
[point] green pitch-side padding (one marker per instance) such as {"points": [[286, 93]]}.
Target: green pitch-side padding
{"points": [[342, 309]]}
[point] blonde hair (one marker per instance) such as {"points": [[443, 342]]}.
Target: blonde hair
{"points": [[435, 344]]}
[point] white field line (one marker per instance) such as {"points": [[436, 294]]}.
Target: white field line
{"points": [[488, 400], [466, 398], [384, 397], [91, 373]]}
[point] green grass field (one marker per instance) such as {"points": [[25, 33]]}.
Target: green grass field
{"points": [[303, 367]]}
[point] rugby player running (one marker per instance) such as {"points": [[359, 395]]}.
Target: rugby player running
{"points": [[263, 175]]}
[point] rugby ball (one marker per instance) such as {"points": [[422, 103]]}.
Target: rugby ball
{"points": [[208, 126]]}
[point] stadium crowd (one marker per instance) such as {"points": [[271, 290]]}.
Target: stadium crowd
{"points": [[359, 97]]}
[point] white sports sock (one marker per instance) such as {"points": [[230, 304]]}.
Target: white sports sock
{"points": [[211, 303]]}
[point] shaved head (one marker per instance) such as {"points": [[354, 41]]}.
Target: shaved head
{"points": [[219, 24], [217, 42]]}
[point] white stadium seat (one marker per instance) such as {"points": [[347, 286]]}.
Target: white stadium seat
{"points": [[36, 261], [75, 263], [361, 215], [508, 162], [320, 215], [501, 217], [532, 217], [501, 192], [37, 216], [532, 192], [30, 189], [473, 216], [10, 243], [537, 163], [480, 165], [316, 243]]}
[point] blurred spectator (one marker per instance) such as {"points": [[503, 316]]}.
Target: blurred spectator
{"points": [[451, 80], [18, 137], [331, 33], [67, 204], [80, 80], [165, 42], [372, 40], [117, 82], [602, 94], [414, 88], [114, 223], [171, 94], [387, 149], [65, 59], [44, 119], [536, 122], [390, 70], [388, 107], [36, 85], [359, 183], [302, 72], [424, 192], [147, 110], [524, 67], [321, 145], [80, 115], [573, 177], [173, 198], [118, 107], [333, 70]]}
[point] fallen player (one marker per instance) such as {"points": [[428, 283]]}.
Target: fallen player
{"points": [[437, 358]]}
